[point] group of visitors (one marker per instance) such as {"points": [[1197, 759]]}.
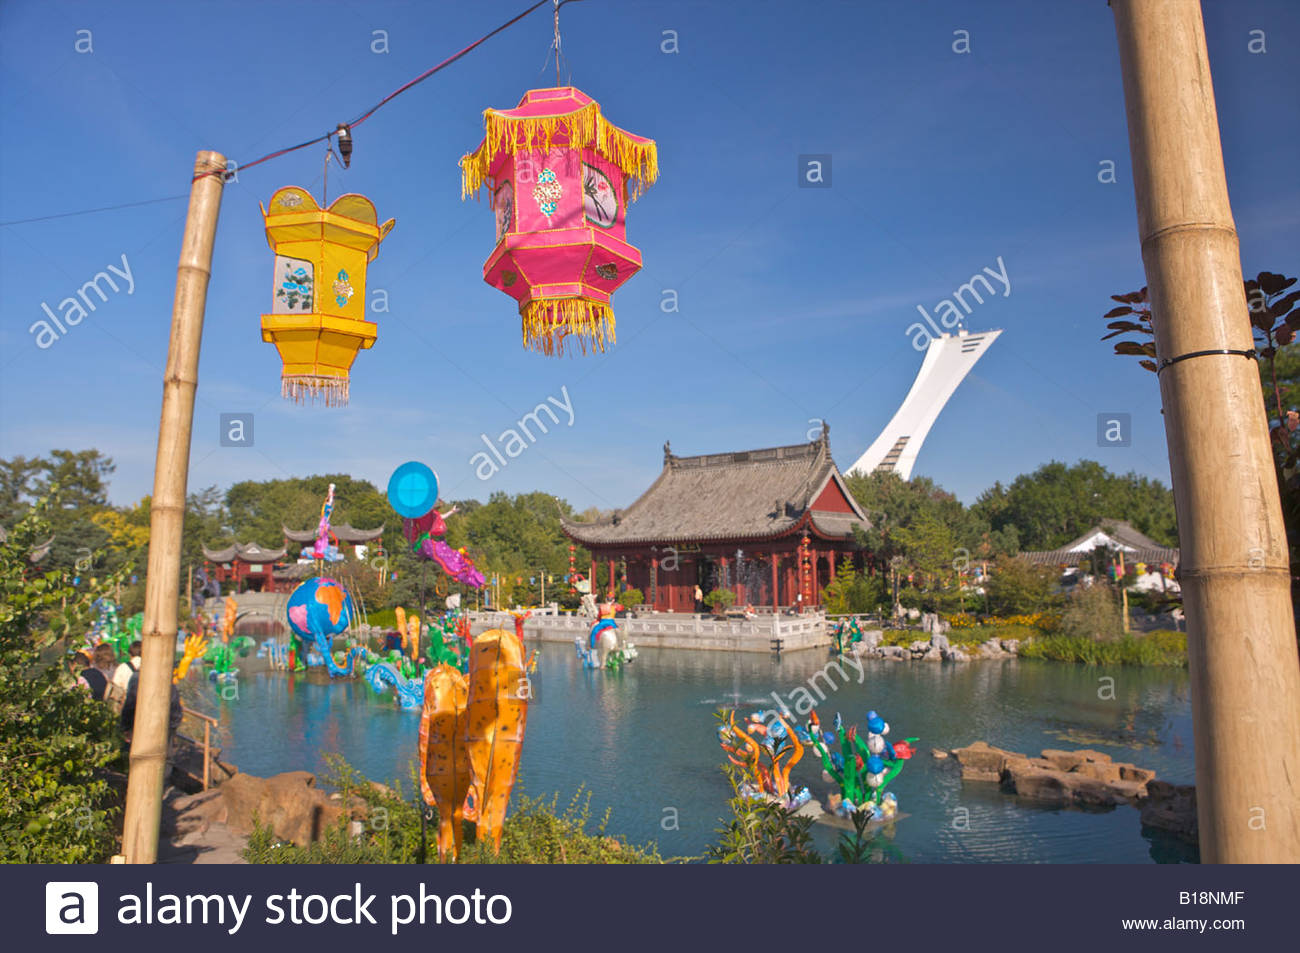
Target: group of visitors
{"points": [[102, 675], [116, 683]]}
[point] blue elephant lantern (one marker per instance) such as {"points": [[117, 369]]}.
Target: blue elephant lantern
{"points": [[318, 610]]}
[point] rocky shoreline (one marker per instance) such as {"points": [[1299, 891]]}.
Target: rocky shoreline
{"points": [[1083, 778], [937, 649]]}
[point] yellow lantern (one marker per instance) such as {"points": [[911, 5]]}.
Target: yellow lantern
{"points": [[318, 314]]}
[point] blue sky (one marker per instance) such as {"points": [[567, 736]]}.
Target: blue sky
{"points": [[794, 303]]}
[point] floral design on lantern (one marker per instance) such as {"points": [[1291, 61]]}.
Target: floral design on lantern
{"points": [[547, 192], [562, 260], [342, 289], [319, 335]]}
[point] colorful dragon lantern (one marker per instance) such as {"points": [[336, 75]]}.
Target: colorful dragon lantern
{"points": [[560, 177], [318, 314]]}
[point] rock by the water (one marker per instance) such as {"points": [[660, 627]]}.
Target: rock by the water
{"points": [[1082, 777], [289, 803], [1172, 808], [981, 761]]}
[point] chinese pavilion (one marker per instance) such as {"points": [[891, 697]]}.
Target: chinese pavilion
{"points": [[243, 567], [770, 525]]}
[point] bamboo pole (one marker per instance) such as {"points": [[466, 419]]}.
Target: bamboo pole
{"points": [[1241, 638], [149, 745]]}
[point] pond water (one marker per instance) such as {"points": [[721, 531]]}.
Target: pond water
{"points": [[643, 742]]}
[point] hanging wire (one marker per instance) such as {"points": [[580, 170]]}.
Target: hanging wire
{"points": [[91, 211], [327, 137], [325, 187], [558, 54], [556, 45]]}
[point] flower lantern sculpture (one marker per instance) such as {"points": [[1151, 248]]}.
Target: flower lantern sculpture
{"points": [[560, 177], [318, 320]]}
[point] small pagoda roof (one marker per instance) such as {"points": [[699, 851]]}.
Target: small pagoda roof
{"points": [[1108, 534], [343, 532], [244, 552], [746, 495]]}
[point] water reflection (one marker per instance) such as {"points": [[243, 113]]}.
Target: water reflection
{"points": [[643, 742]]}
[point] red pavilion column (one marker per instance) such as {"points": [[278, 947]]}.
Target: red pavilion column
{"points": [[815, 556], [776, 586], [612, 587], [654, 583], [595, 593]]}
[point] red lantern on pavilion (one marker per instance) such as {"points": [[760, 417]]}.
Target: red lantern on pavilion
{"points": [[561, 177]]}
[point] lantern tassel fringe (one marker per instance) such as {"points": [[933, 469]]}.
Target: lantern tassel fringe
{"points": [[303, 387], [548, 321], [584, 128]]}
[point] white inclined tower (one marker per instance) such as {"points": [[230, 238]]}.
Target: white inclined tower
{"points": [[948, 360]]}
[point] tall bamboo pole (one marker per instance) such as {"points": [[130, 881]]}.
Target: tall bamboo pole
{"points": [[167, 515], [1245, 679]]}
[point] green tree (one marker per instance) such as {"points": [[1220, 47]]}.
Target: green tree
{"points": [[1057, 503], [17, 486], [82, 478], [838, 593]]}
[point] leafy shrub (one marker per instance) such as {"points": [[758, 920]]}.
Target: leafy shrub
{"points": [[56, 806], [761, 832], [1018, 586], [631, 597], [1092, 612], [720, 599]]}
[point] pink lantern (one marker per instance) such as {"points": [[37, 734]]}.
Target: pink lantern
{"points": [[560, 177]]}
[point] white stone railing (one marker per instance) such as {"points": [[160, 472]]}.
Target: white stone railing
{"points": [[679, 630]]}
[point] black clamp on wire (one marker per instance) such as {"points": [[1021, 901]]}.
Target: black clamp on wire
{"points": [[1182, 357]]}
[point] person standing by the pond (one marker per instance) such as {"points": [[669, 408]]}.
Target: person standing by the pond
{"points": [[699, 598]]}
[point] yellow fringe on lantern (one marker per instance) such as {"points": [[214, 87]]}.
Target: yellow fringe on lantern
{"points": [[549, 321], [301, 387], [584, 128]]}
